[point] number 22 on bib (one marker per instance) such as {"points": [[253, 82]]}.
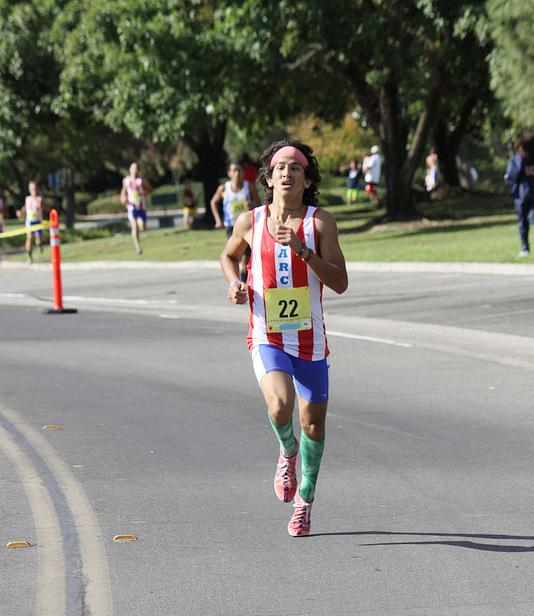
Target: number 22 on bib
{"points": [[287, 310]]}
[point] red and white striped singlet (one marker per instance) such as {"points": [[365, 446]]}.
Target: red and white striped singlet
{"points": [[275, 266]]}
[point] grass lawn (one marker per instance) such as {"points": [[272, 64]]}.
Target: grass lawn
{"points": [[472, 228]]}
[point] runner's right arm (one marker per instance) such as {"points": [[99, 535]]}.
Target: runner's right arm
{"points": [[214, 204], [124, 195], [230, 256]]}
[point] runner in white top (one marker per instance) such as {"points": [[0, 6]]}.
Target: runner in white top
{"points": [[295, 250], [134, 196], [32, 210], [238, 196]]}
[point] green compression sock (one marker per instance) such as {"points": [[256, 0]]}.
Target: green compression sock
{"points": [[285, 437], [311, 453]]}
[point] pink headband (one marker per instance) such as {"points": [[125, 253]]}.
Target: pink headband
{"points": [[288, 151]]}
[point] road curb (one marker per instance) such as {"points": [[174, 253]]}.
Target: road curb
{"points": [[498, 269]]}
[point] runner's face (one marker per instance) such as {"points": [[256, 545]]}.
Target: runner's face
{"points": [[133, 169], [32, 187], [235, 172], [288, 177]]}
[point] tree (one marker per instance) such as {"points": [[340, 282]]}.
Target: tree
{"points": [[511, 23], [34, 139], [165, 70], [466, 101], [390, 57], [28, 80]]}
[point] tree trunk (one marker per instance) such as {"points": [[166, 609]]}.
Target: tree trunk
{"points": [[209, 148], [71, 198], [399, 204], [402, 163], [448, 142], [447, 152]]}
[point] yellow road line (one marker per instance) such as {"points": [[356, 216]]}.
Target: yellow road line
{"points": [[50, 597], [97, 598]]}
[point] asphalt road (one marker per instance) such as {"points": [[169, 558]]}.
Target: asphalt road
{"points": [[425, 498]]}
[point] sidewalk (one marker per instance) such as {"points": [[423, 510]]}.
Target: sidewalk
{"points": [[155, 218], [496, 269]]}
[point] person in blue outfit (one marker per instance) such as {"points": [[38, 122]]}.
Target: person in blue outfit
{"points": [[519, 177]]}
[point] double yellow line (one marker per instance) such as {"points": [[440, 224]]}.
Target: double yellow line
{"points": [[34, 460]]}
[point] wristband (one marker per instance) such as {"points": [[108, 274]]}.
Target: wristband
{"points": [[308, 256], [234, 281], [301, 250]]}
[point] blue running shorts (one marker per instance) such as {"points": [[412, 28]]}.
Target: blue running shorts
{"points": [[135, 213], [309, 377], [32, 223]]}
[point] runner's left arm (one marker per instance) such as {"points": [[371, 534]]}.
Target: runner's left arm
{"points": [[329, 263]]}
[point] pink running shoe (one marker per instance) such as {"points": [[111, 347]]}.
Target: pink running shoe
{"points": [[285, 478], [300, 523]]}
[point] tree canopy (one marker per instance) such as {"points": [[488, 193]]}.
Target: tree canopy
{"points": [[395, 59], [78, 77], [511, 23]]}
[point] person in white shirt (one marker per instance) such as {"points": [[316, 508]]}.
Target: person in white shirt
{"points": [[372, 168]]}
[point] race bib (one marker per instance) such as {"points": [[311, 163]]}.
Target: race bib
{"points": [[238, 207], [135, 198], [287, 310]]}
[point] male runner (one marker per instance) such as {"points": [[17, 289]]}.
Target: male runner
{"points": [[238, 196], [295, 250], [133, 195]]}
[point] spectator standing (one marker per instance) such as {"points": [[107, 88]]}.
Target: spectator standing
{"points": [[372, 168], [250, 171], [189, 203], [519, 177], [432, 170], [355, 176]]}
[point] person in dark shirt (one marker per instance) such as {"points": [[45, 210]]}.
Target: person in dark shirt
{"points": [[355, 176], [519, 177]]}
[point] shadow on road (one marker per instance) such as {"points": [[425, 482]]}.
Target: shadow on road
{"points": [[473, 545]]}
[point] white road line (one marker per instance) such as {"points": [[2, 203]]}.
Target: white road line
{"points": [[369, 339], [97, 598], [376, 426], [110, 300], [50, 599]]}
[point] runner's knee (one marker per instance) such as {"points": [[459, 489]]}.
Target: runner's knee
{"points": [[279, 406], [313, 430]]}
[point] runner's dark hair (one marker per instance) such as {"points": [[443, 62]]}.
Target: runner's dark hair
{"points": [[526, 141], [234, 161], [311, 194]]}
